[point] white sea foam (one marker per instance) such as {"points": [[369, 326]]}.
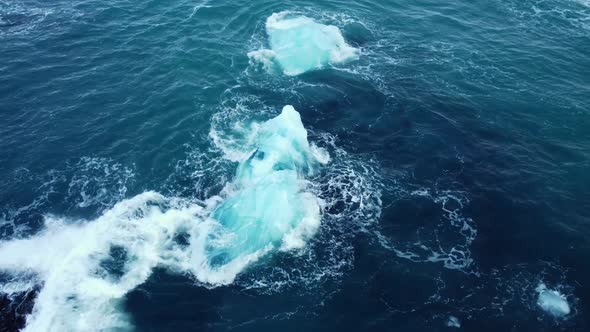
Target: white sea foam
{"points": [[266, 58], [79, 292], [299, 44], [449, 241], [98, 182]]}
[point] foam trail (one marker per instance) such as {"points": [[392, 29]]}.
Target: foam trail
{"points": [[299, 44], [85, 269]]}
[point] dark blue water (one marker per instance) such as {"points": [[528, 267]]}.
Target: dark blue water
{"points": [[458, 179]]}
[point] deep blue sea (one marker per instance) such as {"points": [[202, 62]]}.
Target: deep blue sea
{"points": [[217, 165]]}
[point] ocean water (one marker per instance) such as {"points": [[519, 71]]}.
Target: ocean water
{"points": [[303, 165]]}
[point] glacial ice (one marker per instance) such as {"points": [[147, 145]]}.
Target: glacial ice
{"points": [[552, 301], [270, 207], [299, 44]]}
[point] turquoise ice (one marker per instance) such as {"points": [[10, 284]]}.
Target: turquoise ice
{"points": [[299, 44], [552, 301], [270, 206]]}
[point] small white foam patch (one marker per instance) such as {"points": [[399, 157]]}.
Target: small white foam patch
{"points": [[552, 301], [98, 182], [453, 322], [265, 58], [299, 44]]}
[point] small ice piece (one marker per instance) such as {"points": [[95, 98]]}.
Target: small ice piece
{"points": [[453, 322], [299, 44], [552, 301]]}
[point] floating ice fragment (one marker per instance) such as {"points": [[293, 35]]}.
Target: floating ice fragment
{"points": [[453, 322], [299, 44], [552, 301], [270, 207]]}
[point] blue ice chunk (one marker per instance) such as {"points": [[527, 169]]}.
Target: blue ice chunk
{"points": [[270, 206], [299, 44]]}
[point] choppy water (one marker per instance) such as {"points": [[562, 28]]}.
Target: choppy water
{"points": [[438, 180]]}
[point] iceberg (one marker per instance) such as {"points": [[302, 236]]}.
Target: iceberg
{"points": [[269, 206], [299, 44], [552, 301]]}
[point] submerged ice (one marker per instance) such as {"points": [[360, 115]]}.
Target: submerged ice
{"points": [[299, 44], [552, 301], [85, 268]]}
